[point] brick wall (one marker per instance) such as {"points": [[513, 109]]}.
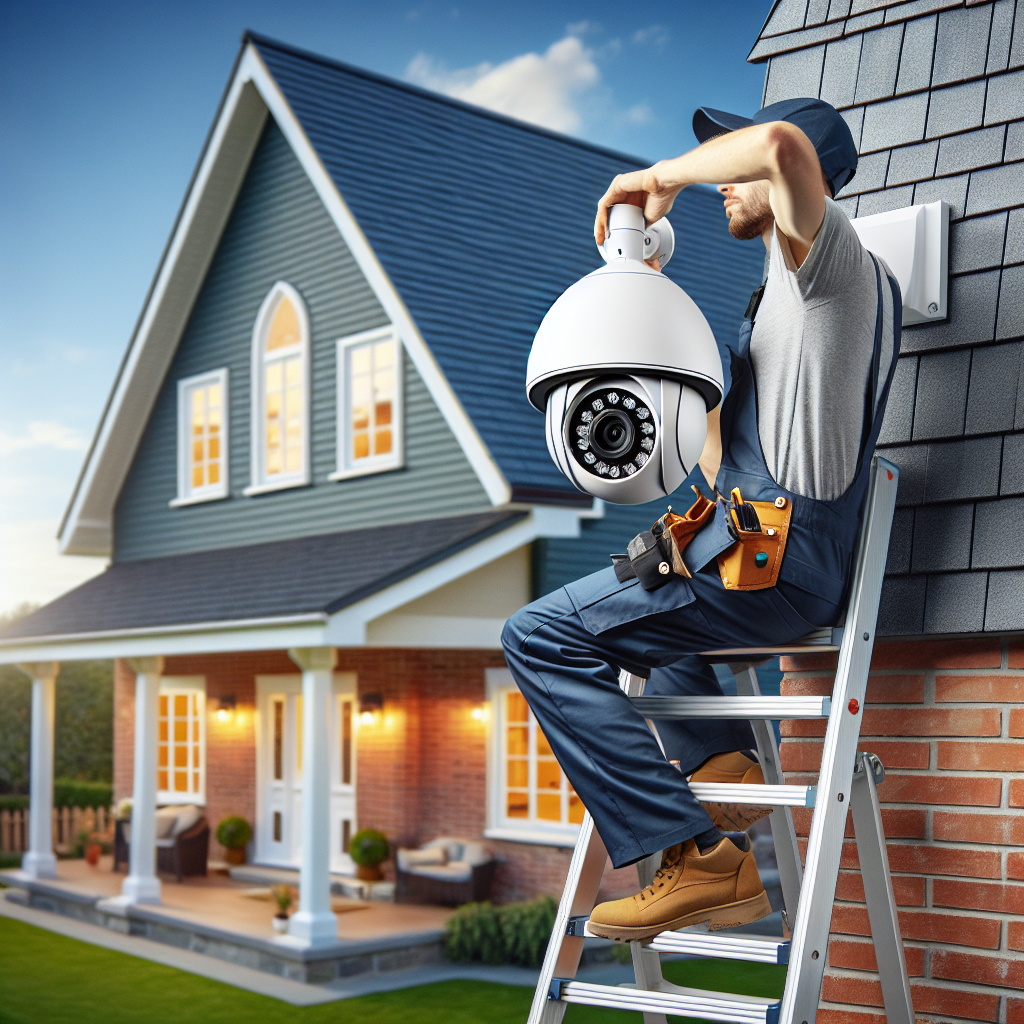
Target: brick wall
{"points": [[941, 716], [421, 769]]}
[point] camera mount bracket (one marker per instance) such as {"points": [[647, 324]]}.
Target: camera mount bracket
{"points": [[628, 238]]}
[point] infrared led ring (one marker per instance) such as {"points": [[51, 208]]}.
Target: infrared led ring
{"points": [[612, 432]]}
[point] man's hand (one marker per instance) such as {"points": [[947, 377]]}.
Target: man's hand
{"points": [[645, 189]]}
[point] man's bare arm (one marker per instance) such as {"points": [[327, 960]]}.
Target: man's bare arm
{"points": [[711, 458], [777, 152]]}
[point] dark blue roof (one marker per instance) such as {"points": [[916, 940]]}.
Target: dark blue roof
{"points": [[481, 222]]}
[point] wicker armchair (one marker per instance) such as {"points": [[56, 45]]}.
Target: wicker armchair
{"points": [[186, 853], [179, 855], [463, 873]]}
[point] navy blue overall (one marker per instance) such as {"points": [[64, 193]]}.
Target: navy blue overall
{"points": [[565, 650]]}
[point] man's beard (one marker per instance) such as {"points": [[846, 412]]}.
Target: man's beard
{"points": [[751, 218]]}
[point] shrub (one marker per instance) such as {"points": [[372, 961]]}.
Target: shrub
{"points": [[516, 933], [13, 803], [233, 832], [368, 847], [71, 793]]}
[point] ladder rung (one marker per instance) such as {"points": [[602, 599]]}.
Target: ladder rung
{"points": [[667, 998], [761, 796], [733, 707], [725, 947]]}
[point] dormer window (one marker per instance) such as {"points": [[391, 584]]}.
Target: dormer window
{"points": [[202, 438], [369, 403], [280, 392]]}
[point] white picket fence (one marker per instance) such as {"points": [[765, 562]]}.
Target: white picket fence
{"points": [[68, 824]]}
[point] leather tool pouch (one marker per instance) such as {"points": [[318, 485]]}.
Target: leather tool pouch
{"points": [[761, 529], [655, 555]]}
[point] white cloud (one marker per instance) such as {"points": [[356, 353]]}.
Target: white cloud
{"points": [[641, 113], [32, 568], [582, 28], [655, 36], [541, 88], [44, 434]]}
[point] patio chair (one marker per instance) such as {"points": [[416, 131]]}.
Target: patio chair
{"points": [[445, 871], [182, 845]]}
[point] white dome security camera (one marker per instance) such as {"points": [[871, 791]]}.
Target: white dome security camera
{"points": [[626, 368]]}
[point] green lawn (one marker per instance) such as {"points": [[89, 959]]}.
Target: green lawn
{"points": [[50, 979]]}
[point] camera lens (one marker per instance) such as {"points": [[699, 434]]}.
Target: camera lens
{"points": [[611, 434], [610, 431]]}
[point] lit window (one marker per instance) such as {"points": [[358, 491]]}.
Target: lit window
{"points": [[202, 438], [369, 403], [280, 400], [534, 789], [181, 745]]}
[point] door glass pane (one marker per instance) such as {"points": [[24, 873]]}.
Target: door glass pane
{"points": [[279, 739], [346, 744], [298, 734]]}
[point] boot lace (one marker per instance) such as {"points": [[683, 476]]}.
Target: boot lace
{"points": [[669, 862]]}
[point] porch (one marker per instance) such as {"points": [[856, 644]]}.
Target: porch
{"points": [[230, 919]]}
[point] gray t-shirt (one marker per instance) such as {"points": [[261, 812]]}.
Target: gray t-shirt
{"points": [[811, 351]]}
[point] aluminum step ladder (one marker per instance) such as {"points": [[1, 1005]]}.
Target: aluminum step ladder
{"points": [[847, 781]]}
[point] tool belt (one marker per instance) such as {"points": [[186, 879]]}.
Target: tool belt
{"points": [[752, 562]]}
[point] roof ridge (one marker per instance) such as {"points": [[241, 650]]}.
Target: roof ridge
{"points": [[261, 40]]}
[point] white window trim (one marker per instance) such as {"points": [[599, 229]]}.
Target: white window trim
{"points": [[187, 684], [217, 491], [258, 484], [497, 681], [375, 463]]}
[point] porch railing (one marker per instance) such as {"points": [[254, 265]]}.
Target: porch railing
{"points": [[68, 824]]}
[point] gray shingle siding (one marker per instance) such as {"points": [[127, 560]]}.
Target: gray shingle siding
{"points": [[933, 91], [279, 229]]}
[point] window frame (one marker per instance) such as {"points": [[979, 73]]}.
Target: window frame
{"points": [[258, 481], [344, 469], [498, 682], [186, 496], [189, 685]]}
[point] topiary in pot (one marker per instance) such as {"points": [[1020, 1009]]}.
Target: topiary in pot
{"points": [[233, 833], [368, 848]]}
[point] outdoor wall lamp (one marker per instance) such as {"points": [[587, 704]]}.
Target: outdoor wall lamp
{"points": [[370, 707], [226, 707], [479, 714], [626, 368]]}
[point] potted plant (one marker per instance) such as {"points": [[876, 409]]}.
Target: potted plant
{"points": [[284, 896], [368, 848], [233, 833], [93, 850]]}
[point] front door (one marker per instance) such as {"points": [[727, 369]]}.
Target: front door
{"points": [[279, 770]]}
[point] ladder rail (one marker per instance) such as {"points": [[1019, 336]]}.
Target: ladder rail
{"points": [[809, 943], [787, 852]]}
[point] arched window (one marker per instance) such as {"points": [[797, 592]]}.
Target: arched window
{"points": [[280, 392]]}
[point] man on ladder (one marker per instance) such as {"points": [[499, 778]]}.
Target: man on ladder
{"points": [[809, 379]]}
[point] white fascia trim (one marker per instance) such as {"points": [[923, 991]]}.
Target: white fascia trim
{"points": [[272, 633], [252, 69], [347, 628], [98, 538]]}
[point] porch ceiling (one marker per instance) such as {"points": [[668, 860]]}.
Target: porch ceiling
{"points": [[310, 576]]}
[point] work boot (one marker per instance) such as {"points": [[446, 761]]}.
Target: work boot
{"points": [[721, 887], [735, 768]]}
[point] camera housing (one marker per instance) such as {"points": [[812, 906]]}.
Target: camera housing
{"points": [[625, 368]]}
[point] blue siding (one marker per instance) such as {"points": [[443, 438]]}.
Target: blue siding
{"points": [[481, 222], [279, 229]]}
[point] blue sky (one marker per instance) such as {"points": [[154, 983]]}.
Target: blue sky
{"points": [[103, 111]]}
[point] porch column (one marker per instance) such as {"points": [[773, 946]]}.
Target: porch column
{"points": [[314, 923], [142, 885], [39, 861]]}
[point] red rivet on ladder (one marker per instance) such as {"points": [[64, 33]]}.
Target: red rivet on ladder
{"points": [[853, 706], [889, 471]]}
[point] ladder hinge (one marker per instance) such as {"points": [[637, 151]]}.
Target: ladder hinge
{"points": [[577, 925], [555, 991]]}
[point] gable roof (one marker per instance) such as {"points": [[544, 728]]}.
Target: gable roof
{"points": [[466, 223]]}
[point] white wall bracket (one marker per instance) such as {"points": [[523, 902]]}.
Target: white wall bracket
{"points": [[914, 242]]}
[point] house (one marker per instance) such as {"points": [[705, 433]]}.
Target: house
{"points": [[934, 94], [321, 488]]}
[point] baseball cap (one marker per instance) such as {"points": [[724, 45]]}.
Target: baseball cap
{"points": [[819, 121]]}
